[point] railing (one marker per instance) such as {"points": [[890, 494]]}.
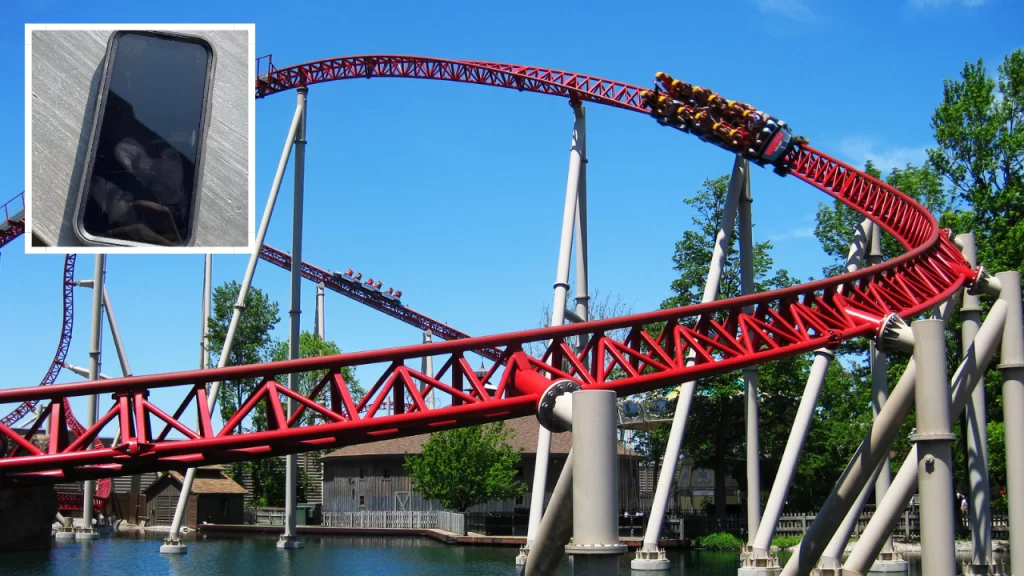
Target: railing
{"points": [[13, 210], [452, 522], [449, 521]]}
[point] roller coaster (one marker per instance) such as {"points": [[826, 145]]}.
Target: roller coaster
{"points": [[656, 349]]}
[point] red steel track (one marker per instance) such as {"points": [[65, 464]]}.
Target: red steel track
{"points": [[12, 223], [720, 335]]}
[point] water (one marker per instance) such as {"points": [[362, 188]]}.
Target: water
{"points": [[355, 555]]}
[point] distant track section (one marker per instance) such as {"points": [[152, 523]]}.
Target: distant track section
{"points": [[12, 219], [374, 299]]}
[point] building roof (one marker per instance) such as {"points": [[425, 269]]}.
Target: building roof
{"points": [[208, 480], [525, 439]]}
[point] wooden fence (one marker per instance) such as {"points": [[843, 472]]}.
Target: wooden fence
{"points": [[908, 526], [450, 521]]}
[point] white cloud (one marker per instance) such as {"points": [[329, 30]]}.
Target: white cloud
{"points": [[857, 150], [792, 234], [944, 3], [792, 9]]}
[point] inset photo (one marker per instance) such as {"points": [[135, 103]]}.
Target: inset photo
{"points": [[140, 138]]}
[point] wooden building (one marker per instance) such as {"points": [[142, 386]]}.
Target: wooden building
{"points": [[215, 498], [371, 476]]}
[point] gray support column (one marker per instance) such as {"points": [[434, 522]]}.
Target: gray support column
{"points": [[204, 345], [126, 370], [290, 538], [750, 412], [651, 556], [791, 455], [318, 313], [582, 269], [897, 498], [888, 560], [980, 499], [427, 367], [577, 152], [934, 440], [172, 544], [595, 544], [95, 345], [1012, 369]]}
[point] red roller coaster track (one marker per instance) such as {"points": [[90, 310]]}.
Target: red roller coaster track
{"points": [[720, 335]]}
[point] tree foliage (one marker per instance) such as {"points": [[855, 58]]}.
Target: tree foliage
{"points": [[251, 345], [467, 466]]}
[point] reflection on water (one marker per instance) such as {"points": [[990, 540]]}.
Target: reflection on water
{"points": [[256, 555]]}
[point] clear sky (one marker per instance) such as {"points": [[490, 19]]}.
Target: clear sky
{"points": [[454, 193]]}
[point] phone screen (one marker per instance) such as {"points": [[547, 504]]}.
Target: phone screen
{"points": [[142, 181]]}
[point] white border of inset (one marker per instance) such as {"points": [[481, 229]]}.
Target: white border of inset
{"points": [[29, 249]]}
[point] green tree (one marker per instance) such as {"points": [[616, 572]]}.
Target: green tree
{"points": [[467, 466], [251, 345], [979, 129]]}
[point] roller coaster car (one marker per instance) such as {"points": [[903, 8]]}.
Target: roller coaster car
{"points": [[390, 294], [348, 276], [369, 285], [777, 142]]}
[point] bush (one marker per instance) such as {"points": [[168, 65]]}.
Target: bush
{"points": [[786, 542], [720, 541]]}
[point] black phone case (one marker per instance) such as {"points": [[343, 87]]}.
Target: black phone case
{"points": [[97, 122]]}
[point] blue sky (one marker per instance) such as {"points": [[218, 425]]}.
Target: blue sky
{"points": [[454, 193]]}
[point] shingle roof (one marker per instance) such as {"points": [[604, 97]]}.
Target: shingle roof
{"points": [[525, 439], [209, 480]]}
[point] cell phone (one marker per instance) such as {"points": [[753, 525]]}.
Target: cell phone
{"points": [[142, 177]]}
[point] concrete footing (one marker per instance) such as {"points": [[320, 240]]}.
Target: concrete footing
{"points": [[173, 546], [650, 560], [87, 534], [982, 569], [758, 563], [524, 553], [747, 571], [64, 535], [289, 543], [890, 566]]}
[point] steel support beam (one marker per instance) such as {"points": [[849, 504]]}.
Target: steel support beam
{"points": [[1012, 368], [318, 313], [750, 411], [173, 544], [980, 497], [290, 539], [650, 556], [427, 367], [934, 443], [577, 154], [95, 345]]}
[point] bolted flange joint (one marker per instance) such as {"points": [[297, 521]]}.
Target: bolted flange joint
{"points": [[984, 283], [548, 400], [894, 334]]}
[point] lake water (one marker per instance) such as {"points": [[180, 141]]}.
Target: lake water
{"points": [[254, 556]]}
